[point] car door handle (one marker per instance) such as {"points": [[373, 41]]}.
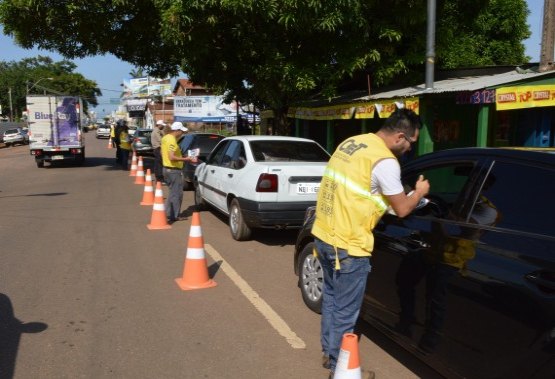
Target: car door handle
{"points": [[230, 175], [545, 280], [212, 171], [416, 239]]}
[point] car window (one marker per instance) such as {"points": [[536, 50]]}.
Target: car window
{"points": [[216, 155], [233, 154], [447, 183], [285, 151], [185, 143], [207, 142], [11, 131], [518, 197]]}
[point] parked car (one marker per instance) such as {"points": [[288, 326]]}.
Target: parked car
{"points": [[103, 131], [15, 135], [200, 144], [141, 142], [261, 181], [466, 283]]}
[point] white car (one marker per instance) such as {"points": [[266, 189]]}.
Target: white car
{"points": [[103, 131], [261, 181]]}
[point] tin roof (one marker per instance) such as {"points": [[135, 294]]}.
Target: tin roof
{"points": [[460, 84]]}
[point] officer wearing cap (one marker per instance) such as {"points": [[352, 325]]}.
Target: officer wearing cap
{"points": [[172, 162]]}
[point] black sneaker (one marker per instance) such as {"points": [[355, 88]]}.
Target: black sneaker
{"points": [[325, 361]]}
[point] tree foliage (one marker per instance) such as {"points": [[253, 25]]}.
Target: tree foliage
{"points": [[32, 73], [274, 53]]}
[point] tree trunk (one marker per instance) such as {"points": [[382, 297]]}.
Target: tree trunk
{"points": [[281, 125]]}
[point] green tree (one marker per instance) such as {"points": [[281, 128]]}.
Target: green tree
{"points": [[137, 72], [274, 53], [31, 73]]}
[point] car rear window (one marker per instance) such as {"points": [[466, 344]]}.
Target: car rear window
{"points": [[286, 151], [207, 143], [11, 131]]}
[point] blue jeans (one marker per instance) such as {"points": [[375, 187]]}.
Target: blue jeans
{"points": [[342, 296]]}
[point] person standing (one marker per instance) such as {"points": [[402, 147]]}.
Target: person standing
{"points": [[117, 131], [172, 161], [155, 140], [362, 178], [124, 145]]}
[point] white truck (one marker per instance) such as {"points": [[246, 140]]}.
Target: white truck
{"points": [[55, 130]]}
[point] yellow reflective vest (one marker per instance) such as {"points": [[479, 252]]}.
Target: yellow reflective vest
{"points": [[346, 210]]}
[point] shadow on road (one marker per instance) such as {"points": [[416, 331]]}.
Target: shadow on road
{"points": [[36, 194], [269, 237], [417, 366], [10, 334]]}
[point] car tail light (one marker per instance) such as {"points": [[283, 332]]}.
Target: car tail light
{"points": [[75, 151], [36, 152], [267, 183], [136, 140]]}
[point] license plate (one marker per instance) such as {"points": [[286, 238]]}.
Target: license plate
{"points": [[307, 188], [57, 157]]}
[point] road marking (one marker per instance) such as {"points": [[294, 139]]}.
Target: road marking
{"points": [[269, 314]]}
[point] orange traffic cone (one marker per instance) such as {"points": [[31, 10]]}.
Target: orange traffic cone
{"points": [[348, 364], [110, 144], [158, 219], [133, 170], [148, 193], [195, 271], [140, 177]]}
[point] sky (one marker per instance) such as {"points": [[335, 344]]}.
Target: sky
{"points": [[109, 72]]}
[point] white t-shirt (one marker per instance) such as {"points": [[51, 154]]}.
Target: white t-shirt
{"points": [[386, 177]]}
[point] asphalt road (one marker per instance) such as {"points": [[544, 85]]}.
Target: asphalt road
{"points": [[87, 291]]}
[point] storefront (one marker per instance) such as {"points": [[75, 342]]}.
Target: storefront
{"points": [[509, 108]]}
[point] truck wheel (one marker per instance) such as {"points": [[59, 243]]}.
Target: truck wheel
{"points": [[80, 159], [240, 231], [40, 163]]}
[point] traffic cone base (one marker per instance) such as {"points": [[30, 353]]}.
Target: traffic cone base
{"points": [[158, 219], [195, 270], [348, 364]]}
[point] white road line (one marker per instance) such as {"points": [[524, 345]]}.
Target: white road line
{"points": [[269, 314]]}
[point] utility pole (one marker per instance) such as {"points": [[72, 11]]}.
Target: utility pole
{"points": [[548, 36], [11, 108], [430, 43]]}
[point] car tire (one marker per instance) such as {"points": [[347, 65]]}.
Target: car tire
{"points": [[311, 278], [199, 201], [187, 186], [240, 231], [40, 163]]}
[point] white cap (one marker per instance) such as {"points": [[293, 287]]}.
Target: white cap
{"points": [[178, 126], [160, 122]]}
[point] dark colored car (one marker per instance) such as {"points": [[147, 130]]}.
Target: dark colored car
{"points": [[466, 283], [141, 142], [200, 144]]}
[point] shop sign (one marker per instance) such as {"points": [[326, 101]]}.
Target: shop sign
{"points": [[485, 96], [365, 110], [335, 112], [525, 97]]}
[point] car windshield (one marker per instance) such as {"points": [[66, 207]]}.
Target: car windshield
{"points": [[285, 151]]}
